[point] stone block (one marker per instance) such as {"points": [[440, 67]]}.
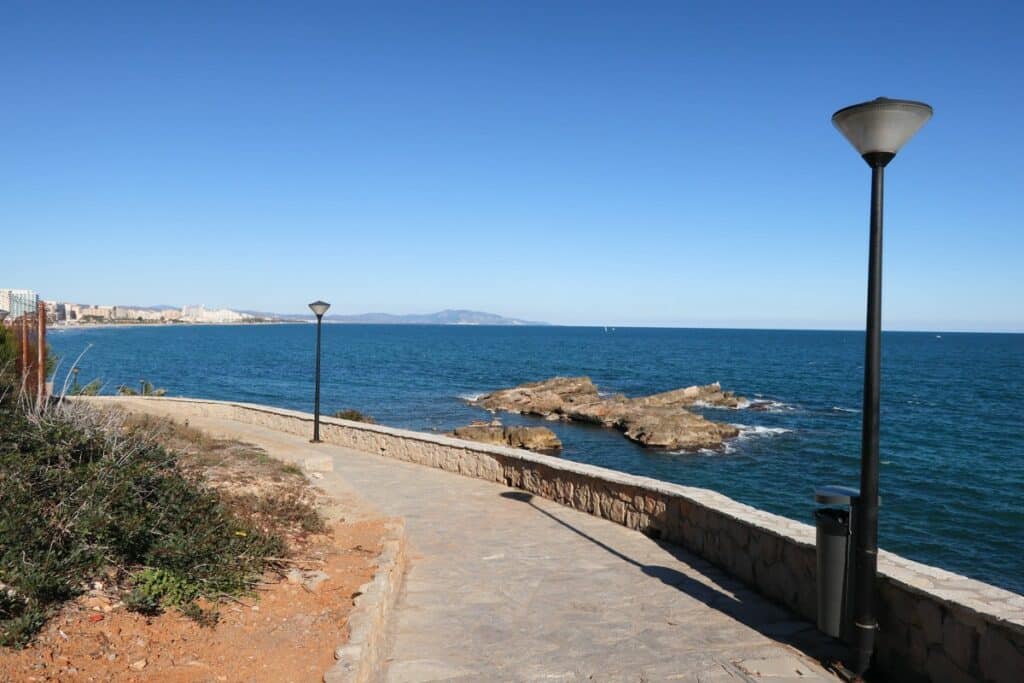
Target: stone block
{"points": [[618, 512], [742, 567], [916, 647], [1000, 660], [928, 614], [959, 642], [940, 668]]}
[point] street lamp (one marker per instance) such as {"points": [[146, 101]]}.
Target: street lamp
{"points": [[319, 308], [877, 130]]}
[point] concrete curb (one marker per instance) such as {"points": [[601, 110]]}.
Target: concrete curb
{"points": [[361, 659]]}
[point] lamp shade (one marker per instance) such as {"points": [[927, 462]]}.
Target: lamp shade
{"points": [[882, 125], [319, 307]]}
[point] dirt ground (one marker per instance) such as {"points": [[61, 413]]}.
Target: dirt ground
{"points": [[287, 631]]}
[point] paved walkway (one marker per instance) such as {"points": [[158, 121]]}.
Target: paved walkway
{"points": [[508, 587]]}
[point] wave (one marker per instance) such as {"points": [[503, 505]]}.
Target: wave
{"points": [[750, 431], [741, 405], [840, 409], [472, 398], [725, 449], [770, 406]]}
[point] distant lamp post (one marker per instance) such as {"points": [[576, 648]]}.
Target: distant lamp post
{"points": [[877, 130], [319, 308]]}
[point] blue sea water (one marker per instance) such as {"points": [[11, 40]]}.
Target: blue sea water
{"points": [[952, 476]]}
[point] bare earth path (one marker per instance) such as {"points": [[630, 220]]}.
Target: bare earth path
{"points": [[506, 587]]}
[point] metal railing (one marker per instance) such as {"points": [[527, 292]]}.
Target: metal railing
{"points": [[29, 333]]}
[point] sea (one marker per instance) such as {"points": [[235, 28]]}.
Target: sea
{"points": [[952, 443]]}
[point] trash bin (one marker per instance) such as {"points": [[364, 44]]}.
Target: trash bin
{"points": [[835, 588]]}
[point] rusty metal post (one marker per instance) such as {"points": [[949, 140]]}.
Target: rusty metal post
{"points": [[41, 350], [26, 359]]}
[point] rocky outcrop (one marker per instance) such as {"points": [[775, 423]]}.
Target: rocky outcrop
{"points": [[659, 421], [538, 439]]}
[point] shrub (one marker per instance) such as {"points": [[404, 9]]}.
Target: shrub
{"points": [[82, 493], [146, 389], [354, 415]]}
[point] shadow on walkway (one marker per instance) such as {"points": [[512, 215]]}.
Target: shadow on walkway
{"points": [[721, 592]]}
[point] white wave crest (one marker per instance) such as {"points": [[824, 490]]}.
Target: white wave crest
{"points": [[740, 405], [749, 431], [769, 406], [840, 409], [472, 398]]}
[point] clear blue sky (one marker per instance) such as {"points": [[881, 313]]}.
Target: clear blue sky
{"points": [[629, 163]]}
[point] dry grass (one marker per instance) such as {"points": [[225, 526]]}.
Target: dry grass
{"points": [[273, 495]]}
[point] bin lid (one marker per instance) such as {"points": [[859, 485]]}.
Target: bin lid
{"points": [[835, 495]]}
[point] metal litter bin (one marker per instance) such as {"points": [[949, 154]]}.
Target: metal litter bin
{"points": [[834, 552]]}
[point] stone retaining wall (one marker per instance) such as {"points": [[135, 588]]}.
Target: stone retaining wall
{"points": [[934, 625], [362, 658]]}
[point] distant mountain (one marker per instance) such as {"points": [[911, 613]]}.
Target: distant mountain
{"points": [[447, 317]]}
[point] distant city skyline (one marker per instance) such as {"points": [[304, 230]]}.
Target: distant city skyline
{"points": [[660, 165], [201, 313]]}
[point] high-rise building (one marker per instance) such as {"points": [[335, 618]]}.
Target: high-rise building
{"points": [[18, 301]]}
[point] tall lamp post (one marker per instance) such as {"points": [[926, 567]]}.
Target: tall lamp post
{"points": [[877, 130], [319, 308]]}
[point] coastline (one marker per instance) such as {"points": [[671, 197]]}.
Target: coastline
{"points": [[108, 326]]}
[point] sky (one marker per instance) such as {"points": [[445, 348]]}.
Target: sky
{"points": [[632, 163]]}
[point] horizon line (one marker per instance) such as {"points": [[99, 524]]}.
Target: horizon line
{"points": [[539, 324]]}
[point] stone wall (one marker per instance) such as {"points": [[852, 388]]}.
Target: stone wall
{"points": [[934, 625]]}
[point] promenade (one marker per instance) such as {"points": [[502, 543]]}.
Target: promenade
{"points": [[504, 586]]}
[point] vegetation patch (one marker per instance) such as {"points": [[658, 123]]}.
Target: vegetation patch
{"points": [[90, 495], [354, 415]]}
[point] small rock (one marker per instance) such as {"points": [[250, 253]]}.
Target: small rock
{"points": [[540, 439], [139, 665], [313, 580]]}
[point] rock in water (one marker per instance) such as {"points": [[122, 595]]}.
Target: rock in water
{"points": [[539, 439], [659, 421]]}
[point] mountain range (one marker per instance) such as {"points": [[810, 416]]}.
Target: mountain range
{"points": [[446, 317]]}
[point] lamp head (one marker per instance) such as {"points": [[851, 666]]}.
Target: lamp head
{"points": [[319, 307], [879, 128]]}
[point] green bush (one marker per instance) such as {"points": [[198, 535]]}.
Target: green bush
{"points": [[8, 358], [146, 389], [82, 494], [354, 415]]}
